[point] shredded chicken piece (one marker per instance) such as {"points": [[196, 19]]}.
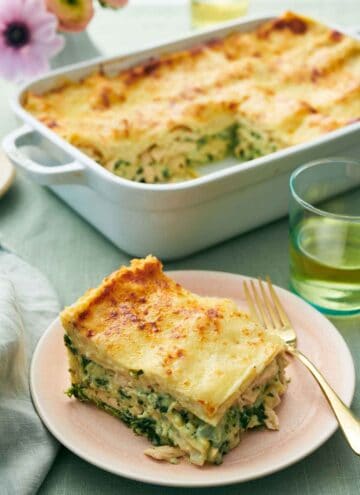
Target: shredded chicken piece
{"points": [[165, 453], [271, 421]]}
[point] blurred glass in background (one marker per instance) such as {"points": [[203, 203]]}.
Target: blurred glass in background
{"points": [[206, 12]]}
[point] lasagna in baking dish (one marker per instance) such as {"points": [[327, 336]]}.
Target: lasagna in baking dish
{"points": [[246, 95], [190, 373]]}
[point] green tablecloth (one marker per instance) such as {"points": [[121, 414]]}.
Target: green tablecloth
{"points": [[45, 232]]}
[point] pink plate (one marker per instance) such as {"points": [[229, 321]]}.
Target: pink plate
{"points": [[306, 421]]}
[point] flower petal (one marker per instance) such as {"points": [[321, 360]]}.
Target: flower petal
{"points": [[43, 32], [42, 18], [10, 65], [11, 10], [33, 8], [33, 62], [50, 47]]}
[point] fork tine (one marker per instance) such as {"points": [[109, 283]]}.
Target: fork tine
{"points": [[281, 312], [266, 307], [249, 300], [263, 317], [275, 322]]}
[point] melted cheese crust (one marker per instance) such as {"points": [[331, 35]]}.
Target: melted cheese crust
{"points": [[203, 351], [287, 82]]}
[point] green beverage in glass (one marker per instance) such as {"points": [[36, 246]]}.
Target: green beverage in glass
{"points": [[325, 234]]}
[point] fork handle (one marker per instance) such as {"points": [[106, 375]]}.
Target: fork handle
{"points": [[349, 424]]}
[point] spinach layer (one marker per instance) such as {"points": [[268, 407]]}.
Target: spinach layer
{"points": [[158, 416]]}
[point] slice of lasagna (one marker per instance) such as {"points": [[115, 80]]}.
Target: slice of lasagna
{"points": [[190, 373]]}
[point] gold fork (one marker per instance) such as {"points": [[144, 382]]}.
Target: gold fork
{"points": [[265, 307]]}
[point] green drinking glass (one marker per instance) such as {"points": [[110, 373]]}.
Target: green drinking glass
{"points": [[325, 234]]}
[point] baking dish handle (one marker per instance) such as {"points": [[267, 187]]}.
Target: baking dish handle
{"points": [[69, 173]]}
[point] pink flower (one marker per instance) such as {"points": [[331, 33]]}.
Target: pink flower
{"points": [[73, 15], [115, 4], [27, 38]]}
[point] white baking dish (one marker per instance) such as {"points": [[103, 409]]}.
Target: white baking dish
{"points": [[167, 220]]}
